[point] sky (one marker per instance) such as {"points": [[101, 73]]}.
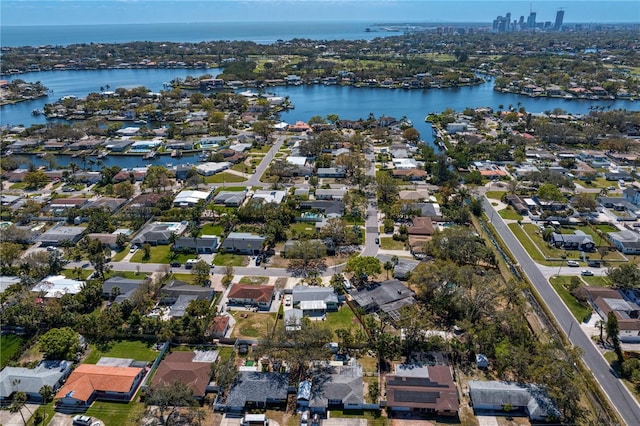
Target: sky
{"points": [[70, 12]]}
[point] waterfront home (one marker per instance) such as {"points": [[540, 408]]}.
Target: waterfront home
{"points": [[31, 380], [212, 142], [511, 398], [243, 243], [259, 296], [89, 382], [86, 144], [422, 389]]}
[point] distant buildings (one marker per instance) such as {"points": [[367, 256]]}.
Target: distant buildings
{"points": [[504, 24]]}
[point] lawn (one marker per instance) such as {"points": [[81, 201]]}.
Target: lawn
{"points": [[253, 325], [579, 311], [596, 281], [224, 178], [241, 167], [496, 195], [509, 214], [230, 259], [19, 185], [48, 411], [388, 243], [225, 353], [604, 227], [528, 245], [116, 413], [69, 273], [254, 280], [211, 229], [183, 277], [300, 229], [9, 346], [135, 349], [161, 254], [344, 318], [120, 255]]}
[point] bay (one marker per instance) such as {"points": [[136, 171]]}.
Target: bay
{"points": [[259, 32]]}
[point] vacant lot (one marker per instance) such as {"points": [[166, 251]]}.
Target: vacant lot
{"points": [[135, 349], [252, 324]]}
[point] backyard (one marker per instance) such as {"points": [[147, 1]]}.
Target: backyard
{"points": [[252, 324], [9, 346], [344, 318], [135, 349], [161, 254]]}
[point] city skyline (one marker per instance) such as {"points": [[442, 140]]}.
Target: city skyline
{"points": [[83, 12]]}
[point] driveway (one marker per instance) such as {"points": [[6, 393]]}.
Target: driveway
{"points": [[15, 419]]}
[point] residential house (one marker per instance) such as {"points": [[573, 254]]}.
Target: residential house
{"points": [[89, 382], [59, 234], [423, 389], [59, 206], [107, 203], [158, 233], [211, 168], [336, 387], [57, 286], [331, 172], [192, 369], [148, 199], [511, 398], [189, 198], [409, 174], [314, 301], [269, 196], [388, 296], [243, 243], [431, 210], [330, 194], [107, 240], [518, 204], [258, 390], [576, 241], [6, 282], [121, 288], [259, 296], [31, 380], [230, 198], [219, 326], [626, 309], [632, 195], [204, 244], [175, 289], [402, 266], [618, 175], [330, 208], [627, 241]]}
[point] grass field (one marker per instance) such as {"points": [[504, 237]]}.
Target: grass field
{"points": [[344, 318], [120, 255], [300, 229], [230, 259], [9, 346], [135, 349], [161, 254], [387, 243], [579, 311], [116, 413], [224, 178], [496, 195], [509, 214], [211, 229], [528, 245], [596, 281], [253, 325]]}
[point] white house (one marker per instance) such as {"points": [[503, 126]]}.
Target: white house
{"points": [[57, 286], [188, 198]]}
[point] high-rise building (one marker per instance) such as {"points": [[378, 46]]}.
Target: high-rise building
{"points": [[559, 18], [531, 20]]}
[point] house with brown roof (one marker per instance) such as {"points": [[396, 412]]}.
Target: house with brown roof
{"points": [[422, 389], [409, 174], [421, 226], [219, 326], [259, 296], [90, 382], [192, 369], [624, 307]]}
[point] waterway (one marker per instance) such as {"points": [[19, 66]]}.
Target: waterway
{"points": [[312, 100]]}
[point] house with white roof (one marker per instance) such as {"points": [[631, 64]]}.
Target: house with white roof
{"points": [[211, 168], [189, 198], [57, 286], [269, 196]]}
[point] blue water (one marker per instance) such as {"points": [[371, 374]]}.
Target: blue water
{"points": [[259, 32]]}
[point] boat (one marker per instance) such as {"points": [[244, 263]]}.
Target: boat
{"points": [[176, 153], [149, 155], [102, 154], [36, 112]]}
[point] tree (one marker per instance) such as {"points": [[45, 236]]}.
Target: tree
{"points": [[124, 190], [411, 134], [374, 391], [146, 248], [60, 343], [613, 334], [387, 188], [47, 393], [35, 179], [8, 253], [362, 267], [550, 192], [337, 282], [164, 402], [18, 401], [200, 273], [584, 202], [388, 266], [626, 276]]}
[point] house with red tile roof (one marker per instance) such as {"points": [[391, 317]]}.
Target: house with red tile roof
{"points": [[259, 296], [90, 382]]}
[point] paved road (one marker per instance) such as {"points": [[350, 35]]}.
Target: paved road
{"points": [[254, 180], [615, 390]]}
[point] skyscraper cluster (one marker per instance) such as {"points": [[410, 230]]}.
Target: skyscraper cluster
{"points": [[504, 24]]}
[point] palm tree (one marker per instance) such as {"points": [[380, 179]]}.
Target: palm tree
{"points": [[173, 237], [388, 266]]}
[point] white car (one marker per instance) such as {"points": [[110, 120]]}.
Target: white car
{"points": [[586, 273], [573, 263], [287, 301]]}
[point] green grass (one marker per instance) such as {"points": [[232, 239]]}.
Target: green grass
{"points": [[596, 281], [161, 254], [120, 255], [528, 245], [496, 195], [211, 229], [241, 167], [343, 318], [135, 349], [19, 185], [230, 259], [302, 229], [47, 410], [225, 353], [509, 214], [183, 277], [9, 346], [69, 273], [224, 178], [606, 228], [130, 275], [579, 311], [388, 243], [116, 413], [263, 149]]}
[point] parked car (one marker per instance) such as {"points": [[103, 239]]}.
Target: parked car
{"points": [[586, 273], [81, 420], [175, 264], [377, 240], [594, 263], [287, 301], [258, 260], [573, 263]]}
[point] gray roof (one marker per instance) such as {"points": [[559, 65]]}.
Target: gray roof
{"points": [[326, 206], [578, 237], [124, 284], [61, 233], [152, 233], [387, 296], [252, 386], [533, 397], [30, 380], [230, 197], [428, 209], [180, 306], [342, 383], [203, 241], [303, 293], [176, 288]]}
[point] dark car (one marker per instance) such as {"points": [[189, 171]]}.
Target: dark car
{"points": [[258, 260], [175, 264], [377, 240], [594, 263]]}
